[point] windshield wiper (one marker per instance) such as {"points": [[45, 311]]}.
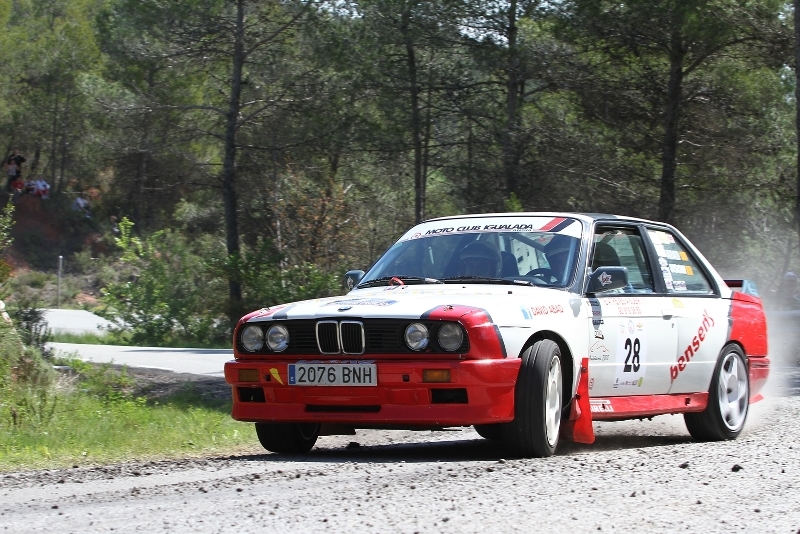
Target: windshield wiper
{"points": [[485, 280], [402, 279]]}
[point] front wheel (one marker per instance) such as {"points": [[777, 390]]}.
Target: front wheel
{"points": [[538, 401], [728, 399], [288, 438]]}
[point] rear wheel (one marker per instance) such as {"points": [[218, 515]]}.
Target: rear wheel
{"points": [[538, 401], [728, 399], [289, 438]]}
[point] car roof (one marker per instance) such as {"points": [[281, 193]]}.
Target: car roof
{"points": [[586, 217]]}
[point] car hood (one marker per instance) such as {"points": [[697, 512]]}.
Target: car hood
{"points": [[505, 304]]}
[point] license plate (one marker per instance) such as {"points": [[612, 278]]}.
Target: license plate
{"points": [[309, 374]]}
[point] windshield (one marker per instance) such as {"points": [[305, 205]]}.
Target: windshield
{"points": [[528, 250]]}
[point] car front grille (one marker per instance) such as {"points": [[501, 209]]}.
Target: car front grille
{"points": [[328, 337], [353, 337], [351, 334]]}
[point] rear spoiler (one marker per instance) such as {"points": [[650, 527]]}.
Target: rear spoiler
{"points": [[748, 287]]}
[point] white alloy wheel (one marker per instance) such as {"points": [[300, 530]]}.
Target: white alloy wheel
{"points": [[733, 394], [728, 399], [553, 405]]}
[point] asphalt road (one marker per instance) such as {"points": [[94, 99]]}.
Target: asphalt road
{"points": [[75, 321], [640, 476], [195, 361]]}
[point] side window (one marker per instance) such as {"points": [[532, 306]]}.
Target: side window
{"points": [[680, 270], [623, 247]]}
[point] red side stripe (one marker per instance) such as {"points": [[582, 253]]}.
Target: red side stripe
{"points": [[552, 224]]}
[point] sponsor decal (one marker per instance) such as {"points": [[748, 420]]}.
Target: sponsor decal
{"points": [[683, 255], [598, 334], [276, 375], [539, 310], [631, 358], [591, 383], [597, 321], [362, 302], [600, 405], [693, 348], [689, 270], [677, 303], [660, 250], [669, 285], [605, 279], [525, 313], [415, 236], [680, 285], [662, 262], [677, 269], [599, 352]]}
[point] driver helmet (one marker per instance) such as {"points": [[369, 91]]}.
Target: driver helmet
{"points": [[480, 258], [557, 245]]}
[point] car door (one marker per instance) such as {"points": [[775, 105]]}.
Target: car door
{"points": [[700, 314], [632, 340]]}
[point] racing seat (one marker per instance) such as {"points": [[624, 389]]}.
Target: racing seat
{"points": [[604, 256], [509, 267]]}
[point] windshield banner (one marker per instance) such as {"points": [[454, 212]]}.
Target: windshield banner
{"points": [[558, 225]]}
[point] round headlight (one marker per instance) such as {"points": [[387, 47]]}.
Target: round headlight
{"points": [[416, 336], [277, 338], [252, 338], [450, 336]]}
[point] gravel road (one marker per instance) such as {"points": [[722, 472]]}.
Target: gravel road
{"points": [[640, 476]]}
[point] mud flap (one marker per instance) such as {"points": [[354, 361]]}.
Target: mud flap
{"points": [[579, 426]]}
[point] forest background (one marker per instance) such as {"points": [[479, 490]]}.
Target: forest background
{"points": [[256, 150]]}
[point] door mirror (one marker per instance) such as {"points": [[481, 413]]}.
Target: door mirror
{"points": [[608, 278], [352, 278]]}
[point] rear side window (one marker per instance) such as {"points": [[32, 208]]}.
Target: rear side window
{"points": [[682, 273]]}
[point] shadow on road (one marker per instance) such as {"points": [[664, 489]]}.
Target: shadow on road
{"points": [[464, 450]]}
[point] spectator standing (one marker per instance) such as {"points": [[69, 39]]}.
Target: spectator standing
{"points": [[15, 161], [81, 204], [11, 172]]}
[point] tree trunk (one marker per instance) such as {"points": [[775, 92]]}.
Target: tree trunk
{"points": [[64, 142], [141, 164], [229, 163], [797, 104], [669, 155], [416, 121], [510, 152], [54, 143]]}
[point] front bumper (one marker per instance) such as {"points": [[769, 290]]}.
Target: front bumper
{"points": [[400, 398]]}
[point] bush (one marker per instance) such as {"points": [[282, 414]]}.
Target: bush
{"points": [[178, 290], [26, 395]]}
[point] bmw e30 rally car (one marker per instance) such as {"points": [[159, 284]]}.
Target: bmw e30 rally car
{"points": [[527, 326]]}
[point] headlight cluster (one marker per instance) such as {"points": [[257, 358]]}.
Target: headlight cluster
{"points": [[276, 338], [450, 336]]}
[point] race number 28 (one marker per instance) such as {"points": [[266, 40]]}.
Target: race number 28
{"points": [[631, 356], [632, 360]]}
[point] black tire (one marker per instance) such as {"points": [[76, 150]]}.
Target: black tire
{"points": [[288, 438], [535, 396], [726, 413], [490, 432]]}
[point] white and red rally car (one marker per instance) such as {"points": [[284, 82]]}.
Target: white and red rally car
{"points": [[528, 326]]}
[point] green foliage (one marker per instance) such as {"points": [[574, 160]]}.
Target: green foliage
{"points": [[26, 396], [169, 297], [93, 415], [174, 295]]}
